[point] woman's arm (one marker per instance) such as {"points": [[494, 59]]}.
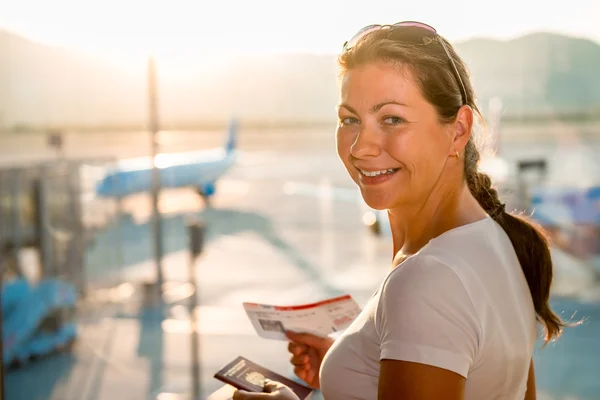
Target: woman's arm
{"points": [[531, 391], [429, 332], [415, 381]]}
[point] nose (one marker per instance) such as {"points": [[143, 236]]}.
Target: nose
{"points": [[366, 144]]}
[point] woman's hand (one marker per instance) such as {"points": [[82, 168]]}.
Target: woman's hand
{"points": [[273, 391], [308, 352]]}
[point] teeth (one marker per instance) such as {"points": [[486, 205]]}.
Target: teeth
{"points": [[377, 173]]}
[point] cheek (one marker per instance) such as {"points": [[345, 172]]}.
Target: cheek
{"points": [[420, 156], [429, 164]]}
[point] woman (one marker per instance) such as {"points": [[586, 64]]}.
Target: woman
{"points": [[456, 316]]}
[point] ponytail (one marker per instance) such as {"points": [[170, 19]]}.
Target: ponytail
{"points": [[529, 241]]}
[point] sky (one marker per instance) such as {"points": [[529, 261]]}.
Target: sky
{"points": [[170, 28]]}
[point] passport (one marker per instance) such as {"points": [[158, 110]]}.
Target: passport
{"points": [[247, 375]]}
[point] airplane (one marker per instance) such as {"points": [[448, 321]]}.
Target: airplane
{"points": [[197, 169]]}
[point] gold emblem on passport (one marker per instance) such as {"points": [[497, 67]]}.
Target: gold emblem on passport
{"points": [[255, 378]]}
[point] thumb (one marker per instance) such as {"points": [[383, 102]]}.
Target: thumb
{"points": [[272, 386], [308, 339]]}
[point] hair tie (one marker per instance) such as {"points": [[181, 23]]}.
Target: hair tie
{"points": [[501, 209]]}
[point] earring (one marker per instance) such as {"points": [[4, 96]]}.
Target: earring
{"points": [[457, 153]]}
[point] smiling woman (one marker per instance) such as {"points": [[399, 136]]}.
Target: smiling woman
{"points": [[407, 108], [455, 318]]}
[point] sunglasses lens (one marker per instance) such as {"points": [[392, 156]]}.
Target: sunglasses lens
{"points": [[359, 35], [416, 25], [409, 35], [371, 28]]}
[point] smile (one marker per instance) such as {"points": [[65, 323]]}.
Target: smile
{"points": [[377, 173]]}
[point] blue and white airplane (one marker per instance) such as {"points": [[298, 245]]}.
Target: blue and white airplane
{"points": [[198, 169]]}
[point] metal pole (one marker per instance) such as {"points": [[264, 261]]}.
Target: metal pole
{"points": [[43, 238], [196, 230], [76, 248], [153, 125]]}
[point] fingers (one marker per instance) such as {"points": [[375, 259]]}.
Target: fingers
{"points": [[279, 391], [313, 354], [272, 386], [296, 348], [309, 340], [300, 359], [302, 372], [272, 390], [243, 395]]}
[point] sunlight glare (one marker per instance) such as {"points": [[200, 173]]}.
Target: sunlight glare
{"points": [[369, 218], [187, 36]]}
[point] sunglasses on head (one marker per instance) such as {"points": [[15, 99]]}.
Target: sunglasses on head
{"points": [[411, 25]]}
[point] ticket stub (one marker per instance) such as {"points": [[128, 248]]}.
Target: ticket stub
{"points": [[323, 318]]}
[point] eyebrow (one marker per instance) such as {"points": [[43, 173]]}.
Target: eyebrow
{"points": [[373, 109]]}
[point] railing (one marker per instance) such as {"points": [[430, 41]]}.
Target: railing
{"points": [[50, 209]]}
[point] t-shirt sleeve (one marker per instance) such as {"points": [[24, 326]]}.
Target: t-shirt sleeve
{"points": [[425, 315]]}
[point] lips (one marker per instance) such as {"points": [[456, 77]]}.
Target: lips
{"points": [[373, 173], [376, 176]]}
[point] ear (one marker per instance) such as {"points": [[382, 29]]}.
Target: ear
{"points": [[462, 127]]}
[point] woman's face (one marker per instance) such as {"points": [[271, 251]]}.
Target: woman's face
{"points": [[389, 137]]}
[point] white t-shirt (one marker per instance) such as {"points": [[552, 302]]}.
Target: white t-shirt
{"points": [[461, 303]]}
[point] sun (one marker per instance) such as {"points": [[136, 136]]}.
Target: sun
{"points": [[178, 32]]}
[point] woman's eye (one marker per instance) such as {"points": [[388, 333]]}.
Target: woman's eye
{"points": [[349, 121], [393, 120]]}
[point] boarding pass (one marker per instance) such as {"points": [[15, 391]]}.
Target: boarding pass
{"points": [[323, 318]]}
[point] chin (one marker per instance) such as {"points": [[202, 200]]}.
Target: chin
{"points": [[377, 202]]}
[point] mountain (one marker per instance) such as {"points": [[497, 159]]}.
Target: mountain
{"points": [[43, 86], [537, 73]]}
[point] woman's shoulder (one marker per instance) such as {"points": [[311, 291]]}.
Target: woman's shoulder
{"points": [[463, 241], [425, 268], [436, 271], [464, 259]]}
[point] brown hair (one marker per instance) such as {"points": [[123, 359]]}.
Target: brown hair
{"points": [[436, 79]]}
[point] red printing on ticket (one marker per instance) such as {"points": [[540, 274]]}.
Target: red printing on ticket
{"points": [[304, 306]]}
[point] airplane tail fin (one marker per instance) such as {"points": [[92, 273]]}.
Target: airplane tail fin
{"points": [[231, 143]]}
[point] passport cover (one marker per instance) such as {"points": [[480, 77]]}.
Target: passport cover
{"points": [[247, 375]]}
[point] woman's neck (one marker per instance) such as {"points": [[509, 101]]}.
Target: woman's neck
{"points": [[413, 227]]}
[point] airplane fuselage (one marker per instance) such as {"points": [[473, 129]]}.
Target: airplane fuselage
{"points": [[199, 170]]}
